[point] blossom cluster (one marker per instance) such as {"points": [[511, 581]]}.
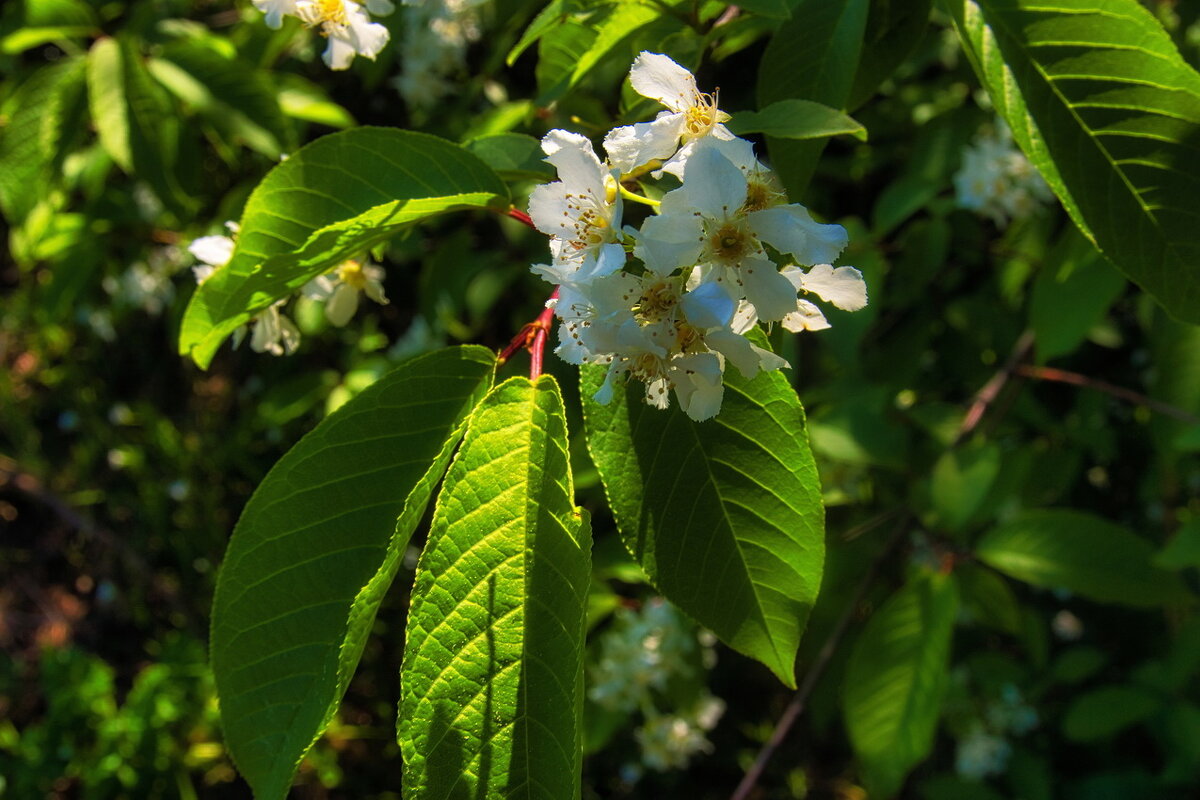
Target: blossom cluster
{"points": [[671, 303], [346, 25], [271, 330], [434, 50], [641, 656], [997, 180]]}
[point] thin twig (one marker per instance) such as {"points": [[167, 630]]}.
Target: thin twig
{"points": [[1128, 395], [796, 707], [991, 390]]}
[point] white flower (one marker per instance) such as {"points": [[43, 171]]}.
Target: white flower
{"points": [[340, 289], [274, 333], [707, 222], [997, 180], [981, 754], [844, 287], [691, 115], [347, 26], [276, 10], [581, 211]]}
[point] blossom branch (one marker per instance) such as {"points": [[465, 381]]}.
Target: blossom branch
{"points": [[532, 337]]}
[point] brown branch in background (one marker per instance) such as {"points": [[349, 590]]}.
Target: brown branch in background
{"points": [[1128, 395], [796, 707], [991, 390]]}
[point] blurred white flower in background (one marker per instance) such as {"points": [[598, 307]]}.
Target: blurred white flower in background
{"points": [[997, 180], [339, 289]]}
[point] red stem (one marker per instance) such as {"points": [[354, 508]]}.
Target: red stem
{"points": [[532, 337], [520, 216]]}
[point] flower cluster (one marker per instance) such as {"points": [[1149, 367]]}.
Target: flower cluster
{"points": [[997, 180], [642, 656], [345, 23], [272, 332], [436, 36], [671, 303]]}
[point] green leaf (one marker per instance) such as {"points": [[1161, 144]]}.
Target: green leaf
{"points": [[894, 29], [895, 680], [553, 15], [1082, 553], [514, 156], [960, 483], [797, 119], [236, 99], [134, 119], [42, 113], [315, 549], [772, 9], [1183, 550], [1107, 110], [1071, 295], [989, 599], [724, 516], [812, 56], [1105, 712], [492, 682], [338, 195], [607, 28], [304, 100], [45, 21]]}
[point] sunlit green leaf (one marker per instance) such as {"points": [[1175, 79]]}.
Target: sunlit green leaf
{"points": [[316, 548], [1082, 553], [514, 156], [345, 191], [797, 119], [896, 678], [492, 683], [725, 515], [1109, 112]]}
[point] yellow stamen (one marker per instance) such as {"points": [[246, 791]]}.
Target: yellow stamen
{"points": [[351, 273]]}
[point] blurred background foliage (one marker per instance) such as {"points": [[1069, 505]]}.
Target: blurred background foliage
{"points": [[1004, 379]]}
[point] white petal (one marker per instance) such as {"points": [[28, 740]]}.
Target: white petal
{"points": [[698, 385], [843, 286], [656, 76], [203, 272], [737, 349], [369, 38], [214, 250], [339, 53], [631, 146], [667, 242], [772, 294], [289, 335], [708, 306], [739, 151], [790, 229], [374, 290], [714, 186], [275, 10], [658, 393], [266, 333], [744, 318], [806, 317], [572, 155], [341, 306], [319, 288]]}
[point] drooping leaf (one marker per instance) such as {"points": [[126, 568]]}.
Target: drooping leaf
{"points": [[301, 99], [347, 190], [724, 516], [1105, 712], [1072, 293], [514, 156], [894, 29], [315, 549], [554, 14], [960, 483], [235, 98], [797, 119], [895, 680], [492, 682], [134, 119], [1082, 553], [812, 56], [1109, 112]]}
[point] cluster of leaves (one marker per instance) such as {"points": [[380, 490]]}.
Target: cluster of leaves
{"points": [[1062, 503]]}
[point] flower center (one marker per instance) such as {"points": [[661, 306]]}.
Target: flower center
{"points": [[320, 12], [730, 243], [761, 192], [687, 336], [592, 227], [351, 273], [656, 303], [702, 116]]}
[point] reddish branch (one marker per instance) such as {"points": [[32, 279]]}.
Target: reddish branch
{"points": [[991, 390], [532, 337], [1128, 395]]}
